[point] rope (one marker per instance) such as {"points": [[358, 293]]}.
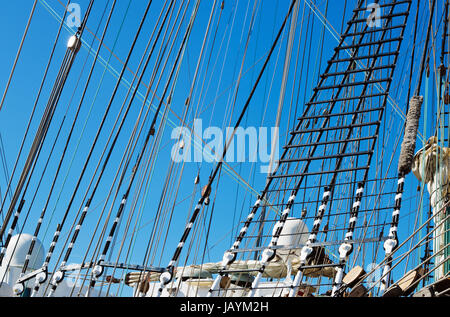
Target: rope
{"points": [[18, 54], [59, 276], [167, 276], [60, 226], [125, 163], [38, 141], [391, 244], [347, 247], [98, 270], [228, 169]]}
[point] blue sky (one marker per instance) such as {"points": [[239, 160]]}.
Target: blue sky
{"points": [[216, 98]]}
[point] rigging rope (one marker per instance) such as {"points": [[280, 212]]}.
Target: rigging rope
{"points": [[405, 160], [127, 155], [37, 144], [229, 170], [59, 275], [18, 55], [167, 276], [19, 287], [72, 50], [42, 277], [98, 269]]}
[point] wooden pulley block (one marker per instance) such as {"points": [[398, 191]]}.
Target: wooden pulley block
{"points": [[112, 279], [329, 292], [206, 191], [443, 286], [144, 286], [447, 98], [408, 283], [304, 212], [354, 276], [425, 292], [358, 291], [318, 256], [225, 282], [442, 70], [393, 291], [306, 291]]}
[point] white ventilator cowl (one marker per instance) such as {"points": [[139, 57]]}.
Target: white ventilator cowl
{"points": [[18, 249], [294, 234], [15, 256]]}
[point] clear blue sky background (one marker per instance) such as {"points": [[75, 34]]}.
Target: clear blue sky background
{"points": [[234, 197]]}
